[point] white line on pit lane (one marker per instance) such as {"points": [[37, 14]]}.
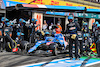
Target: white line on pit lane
{"points": [[57, 60], [40, 63], [92, 63]]}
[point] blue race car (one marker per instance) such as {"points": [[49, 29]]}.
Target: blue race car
{"points": [[54, 44]]}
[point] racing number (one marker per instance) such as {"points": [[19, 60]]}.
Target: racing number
{"points": [[0, 33], [38, 22], [22, 0]]}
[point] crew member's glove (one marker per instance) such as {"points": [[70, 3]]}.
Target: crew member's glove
{"points": [[43, 33], [73, 36]]}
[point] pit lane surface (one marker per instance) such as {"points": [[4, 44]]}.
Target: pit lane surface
{"points": [[9, 59]]}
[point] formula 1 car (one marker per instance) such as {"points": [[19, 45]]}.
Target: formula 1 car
{"points": [[55, 44]]}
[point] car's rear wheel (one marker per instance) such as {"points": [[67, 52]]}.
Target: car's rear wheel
{"points": [[54, 47]]}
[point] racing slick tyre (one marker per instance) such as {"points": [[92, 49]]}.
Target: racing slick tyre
{"points": [[54, 47], [24, 52], [23, 47], [8, 47]]}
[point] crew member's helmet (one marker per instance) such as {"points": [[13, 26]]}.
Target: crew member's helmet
{"points": [[8, 24], [85, 35], [4, 19], [22, 20], [96, 22], [98, 25], [85, 23], [20, 34], [70, 18], [47, 33], [34, 20], [7, 19]]}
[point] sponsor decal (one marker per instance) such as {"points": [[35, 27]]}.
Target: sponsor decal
{"points": [[49, 2]]}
